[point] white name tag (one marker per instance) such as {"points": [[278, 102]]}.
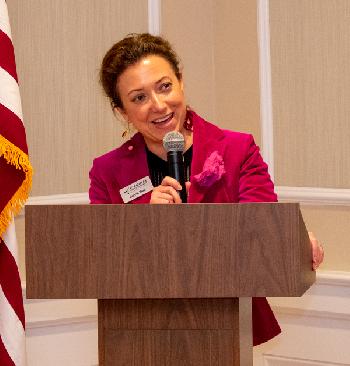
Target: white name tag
{"points": [[136, 189]]}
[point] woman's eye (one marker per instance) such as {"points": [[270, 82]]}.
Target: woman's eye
{"points": [[139, 98], [166, 86]]}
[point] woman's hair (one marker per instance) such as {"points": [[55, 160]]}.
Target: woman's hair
{"points": [[129, 51]]}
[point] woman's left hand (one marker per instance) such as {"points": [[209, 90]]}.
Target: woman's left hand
{"points": [[317, 251]]}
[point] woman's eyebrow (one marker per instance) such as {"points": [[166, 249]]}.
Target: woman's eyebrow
{"points": [[157, 82], [134, 90], [161, 79]]}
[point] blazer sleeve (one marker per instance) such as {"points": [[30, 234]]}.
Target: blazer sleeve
{"points": [[255, 183], [98, 191]]}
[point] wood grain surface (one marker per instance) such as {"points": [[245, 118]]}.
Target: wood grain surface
{"points": [[173, 251], [197, 332]]}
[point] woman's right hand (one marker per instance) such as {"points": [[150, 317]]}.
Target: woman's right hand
{"points": [[166, 192]]}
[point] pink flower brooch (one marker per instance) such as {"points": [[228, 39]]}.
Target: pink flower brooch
{"points": [[213, 170]]}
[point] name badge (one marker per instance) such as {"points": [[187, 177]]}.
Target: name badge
{"points": [[136, 189]]}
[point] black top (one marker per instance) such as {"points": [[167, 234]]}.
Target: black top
{"points": [[158, 168]]}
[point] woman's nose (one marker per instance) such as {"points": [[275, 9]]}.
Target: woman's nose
{"points": [[158, 103]]}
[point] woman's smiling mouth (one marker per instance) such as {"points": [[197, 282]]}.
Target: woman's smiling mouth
{"points": [[163, 120]]}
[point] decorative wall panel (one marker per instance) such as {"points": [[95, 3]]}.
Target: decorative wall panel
{"points": [[310, 52]]}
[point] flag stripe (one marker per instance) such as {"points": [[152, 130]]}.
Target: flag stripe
{"points": [[10, 240], [4, 19], [10, 282], [12, 332], [4, 356], [7, 55], [9, 93], [15, 183], [13, 130]]}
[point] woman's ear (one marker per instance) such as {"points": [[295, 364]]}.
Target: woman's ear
{"points": [[119, 112], [181, 82]]}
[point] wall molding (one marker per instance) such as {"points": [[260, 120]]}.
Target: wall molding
{"points": [[304, 195], [328, 298], [314, 196], [60, 199], [154, 15], [333, 278], [273, 360], [310, 313], [62, 322], [266, 111]]}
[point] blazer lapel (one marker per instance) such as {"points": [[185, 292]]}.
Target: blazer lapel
{"points": [[206, 139], [135, 159]]}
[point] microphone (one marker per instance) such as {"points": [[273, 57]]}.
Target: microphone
{"points": [[174, 145]]}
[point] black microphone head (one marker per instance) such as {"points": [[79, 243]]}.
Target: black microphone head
{"points": [[174, 141]]}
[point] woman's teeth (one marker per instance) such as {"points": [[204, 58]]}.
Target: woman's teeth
{"points": [[164, 119]]}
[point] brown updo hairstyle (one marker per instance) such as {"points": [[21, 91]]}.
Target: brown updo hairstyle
{"points": [[129, 51]]}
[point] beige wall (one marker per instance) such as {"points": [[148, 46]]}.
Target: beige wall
{"points": [[237, 91], [193, 41], [217, 43], [310, 52], [331, 224], [310, 46], [59, 46]]}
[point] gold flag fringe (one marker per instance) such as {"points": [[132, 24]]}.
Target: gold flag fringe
{"points": [[15, 156]]}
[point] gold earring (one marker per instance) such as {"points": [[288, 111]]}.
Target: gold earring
{"points": [[126, 132]]}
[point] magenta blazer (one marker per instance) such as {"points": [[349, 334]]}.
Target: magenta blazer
{"points": [[226, 167]]}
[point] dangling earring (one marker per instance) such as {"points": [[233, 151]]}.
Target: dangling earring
{"points": [[188, 125], [126, 132]]}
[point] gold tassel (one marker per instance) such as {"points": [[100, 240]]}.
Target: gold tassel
{"points": [[15, 156]]}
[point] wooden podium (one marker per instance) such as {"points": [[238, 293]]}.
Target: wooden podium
{"points": [[173, 282]]}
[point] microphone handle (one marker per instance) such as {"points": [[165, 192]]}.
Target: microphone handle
{"points": [[177, 171]]}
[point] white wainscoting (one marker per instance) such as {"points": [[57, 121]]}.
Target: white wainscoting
{"points": [[287, 361], [61, 332], [303, 195], [314, 195], [266, 111], [316, 328], [154, 17]]}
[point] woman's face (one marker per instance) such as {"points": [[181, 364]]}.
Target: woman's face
{"points": [[153, 98]]}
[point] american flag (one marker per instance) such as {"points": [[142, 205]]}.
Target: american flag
{"points": [[15, 183]]}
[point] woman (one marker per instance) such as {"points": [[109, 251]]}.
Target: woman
{"points": [[141, 76]]}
